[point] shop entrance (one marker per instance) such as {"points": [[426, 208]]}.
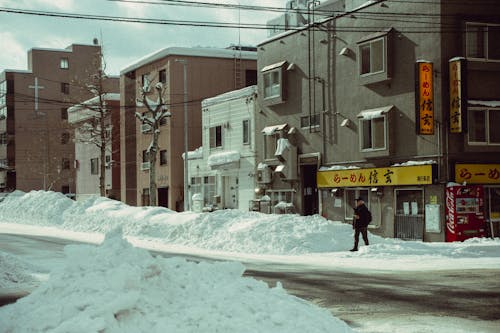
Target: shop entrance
{"points": [[409, 214], [310, 190], [492, 204]]}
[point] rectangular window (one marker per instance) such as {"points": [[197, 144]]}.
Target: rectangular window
{"points": [[372, 56], [3, 138], [270, 145], [310, 121], [246, 132], [145, 157], [272, 84], [482, 126], [108, 161], [3, 93], [64, 113], [94, 166], [373, 133], [216, 137], [64, 63], [350, 195], [483, 41], [163, 157], [273, 78], [145, 80], [162, 76], [209, 189], [65, 163], [65, 88], [65, 136]]}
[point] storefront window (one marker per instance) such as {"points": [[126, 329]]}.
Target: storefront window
{"points": [[350, 200]]}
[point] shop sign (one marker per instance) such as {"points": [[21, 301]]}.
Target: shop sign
{"points": [[424, 101], [457, 94], [391, 176], [477, 173]]}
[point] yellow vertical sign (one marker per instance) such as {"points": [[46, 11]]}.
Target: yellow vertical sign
{"points": [[456, 95], [425, 98]]}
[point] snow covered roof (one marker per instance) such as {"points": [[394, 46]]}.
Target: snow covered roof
{"points": [[191, 52], [231, 95], [491, 104], [374, 113], [338, 167], [270, 130], [223, 158], [411, 163], [94, 101], [194, 154]]}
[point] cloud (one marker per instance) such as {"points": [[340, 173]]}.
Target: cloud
{"points": [[12, 50]]}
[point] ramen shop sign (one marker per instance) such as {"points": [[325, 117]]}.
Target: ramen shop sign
{"points": [[424, 98]]}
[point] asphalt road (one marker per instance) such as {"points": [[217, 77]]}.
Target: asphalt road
{"points": [[473, 295]]}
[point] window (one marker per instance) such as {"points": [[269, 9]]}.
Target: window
{"points": [[65, 138], [163, 157], [482, 126], [3, 138], [145, 80], [350, 195], [270, 144], [145, 157], [108, 161], [483, 41], [310, 121], [162, 76], [145, 197], [94, 166], [246, 132], [274, 82], [3, 93], [64, 63], [216, 137], [65, 163], [373, 129], [64, 113], [65, 88], [209, 189], [372, 57]]}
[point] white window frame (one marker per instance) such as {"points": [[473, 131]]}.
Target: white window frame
{"points": [[212, 137], [64, 63], [362, 133], [350, 202], [486, 126], [94, 166], [272, 89], [485, 50], [245, 131], [384, 56], [306, 122]]}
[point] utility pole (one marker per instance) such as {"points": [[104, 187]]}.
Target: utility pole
{"points": [[186, 197]]}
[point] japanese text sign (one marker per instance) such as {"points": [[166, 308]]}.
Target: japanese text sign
{"points": [[457, 94], [424, 100], [390, 176], [477, 173]]}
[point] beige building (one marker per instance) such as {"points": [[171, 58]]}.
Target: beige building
{"points": [[209, 72], [36, 146]]}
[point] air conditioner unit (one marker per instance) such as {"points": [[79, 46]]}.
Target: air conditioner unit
{"points": [[145, 166], [264, 174], [146, 128]]}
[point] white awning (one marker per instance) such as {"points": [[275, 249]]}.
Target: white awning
{"points": [[374, 113], [223, 158], [271, 130], [273, 66]]}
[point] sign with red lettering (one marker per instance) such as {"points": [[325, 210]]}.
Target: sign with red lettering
{"points": [[424, 101]]}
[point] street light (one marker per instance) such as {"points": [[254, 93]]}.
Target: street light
{"points": [[186, 199]]}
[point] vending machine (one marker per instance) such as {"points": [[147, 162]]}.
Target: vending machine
{"points": [[464, 212]]}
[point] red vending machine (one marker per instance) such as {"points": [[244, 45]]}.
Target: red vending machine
{"points": [[464, 212]]}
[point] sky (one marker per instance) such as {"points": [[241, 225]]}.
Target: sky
{"points": [[124, 43], [114, 285]]}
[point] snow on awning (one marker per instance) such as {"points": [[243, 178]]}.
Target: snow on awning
{"points": [[273, 66], [490, 104], [374, 113], [271, 130], [223, 158]]}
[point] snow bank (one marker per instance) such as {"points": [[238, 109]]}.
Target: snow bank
{"points": [[115, 287], [16, 273]]}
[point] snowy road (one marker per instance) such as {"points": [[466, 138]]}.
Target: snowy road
{"points": [[470, 297]]}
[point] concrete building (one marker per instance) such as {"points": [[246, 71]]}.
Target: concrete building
{"points": [[88, 140], [209, 72], [222, 170], [376, 103], [36, 148]]}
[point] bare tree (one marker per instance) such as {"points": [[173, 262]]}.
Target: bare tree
{"points": [[96, 128], [156, 112]]}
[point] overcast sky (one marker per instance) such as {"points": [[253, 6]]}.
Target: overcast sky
{"points": [[123, 43]]}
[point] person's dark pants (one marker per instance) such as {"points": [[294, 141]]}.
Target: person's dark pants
{"points": [[364, 233]]}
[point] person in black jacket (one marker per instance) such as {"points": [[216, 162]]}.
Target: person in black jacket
{"points": [[362, 218]]}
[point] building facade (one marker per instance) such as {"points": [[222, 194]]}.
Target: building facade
{"points": [[37, 150], [87, 145], [392, 111], [222, 170], [208, 72]]}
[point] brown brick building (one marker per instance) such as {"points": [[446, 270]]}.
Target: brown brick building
{"points": [[36, 146], [209, 72]]}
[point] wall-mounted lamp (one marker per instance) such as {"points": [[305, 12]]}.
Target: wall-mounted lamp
{"points": [[345, 123], [345, 51], [378, 191]]}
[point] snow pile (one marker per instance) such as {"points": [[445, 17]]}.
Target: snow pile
{"points": [[224, 230], [118, 288], [16, 273]]}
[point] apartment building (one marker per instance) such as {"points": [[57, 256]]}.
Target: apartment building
{"points": [[386, 100], [36, 146], [222, 170], [188, 75]]}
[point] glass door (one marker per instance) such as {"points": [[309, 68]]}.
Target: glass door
{"points": [[409, 214]]}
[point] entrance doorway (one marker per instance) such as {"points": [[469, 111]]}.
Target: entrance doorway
{"points": [[492, 204], [163, 197], [310, 202], [409, 214]]}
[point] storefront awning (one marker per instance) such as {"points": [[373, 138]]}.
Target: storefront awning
{"points": [[223, 158], [271, 130], [374, 113]]}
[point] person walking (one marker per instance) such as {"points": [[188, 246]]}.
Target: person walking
{"points": [[362, 217]]}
